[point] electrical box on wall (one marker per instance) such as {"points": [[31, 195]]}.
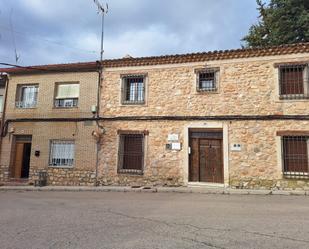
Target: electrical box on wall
{"points": [[236, 147]]}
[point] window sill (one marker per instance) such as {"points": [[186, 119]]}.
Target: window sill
{"points": [[60, 167], [207, 92], [23, 108], [283, 100], [130, 172], [296, 175], [66, 107], [132, 103]]}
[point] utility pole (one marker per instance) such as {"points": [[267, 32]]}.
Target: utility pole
{"points": [[102, 11]]}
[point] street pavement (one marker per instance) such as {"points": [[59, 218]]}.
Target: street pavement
{"points": [[127, 220]]}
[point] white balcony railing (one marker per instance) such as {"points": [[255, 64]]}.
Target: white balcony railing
{"points": [[25, 104]]}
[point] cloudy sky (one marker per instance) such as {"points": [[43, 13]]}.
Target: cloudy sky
{"points": [[60, 31]]}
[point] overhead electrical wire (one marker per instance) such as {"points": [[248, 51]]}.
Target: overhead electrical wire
{"points": [[32, 36]]}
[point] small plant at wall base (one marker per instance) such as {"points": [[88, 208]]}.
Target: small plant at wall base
{"points": [[280, 22]]}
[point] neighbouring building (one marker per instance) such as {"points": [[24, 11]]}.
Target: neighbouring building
{"points": [[48, 124], [3, 80], [237, 118]]}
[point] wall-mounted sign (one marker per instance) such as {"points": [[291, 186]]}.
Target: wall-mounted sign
{"points": [[173, 137], [176, 146]]}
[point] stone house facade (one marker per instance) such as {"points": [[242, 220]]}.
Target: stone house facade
{"points": [[222, 118], [237, 118]]}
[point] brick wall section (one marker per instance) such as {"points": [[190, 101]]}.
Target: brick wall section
{"points": [[83, 171], [45, 107]]}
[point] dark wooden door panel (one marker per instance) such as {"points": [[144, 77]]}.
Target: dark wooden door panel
{"points": [[206, 160]]}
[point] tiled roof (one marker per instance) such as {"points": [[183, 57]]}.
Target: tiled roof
{"points": [[167, 59]]}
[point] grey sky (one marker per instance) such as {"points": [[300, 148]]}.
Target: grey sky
{"points": [[60, 31]]}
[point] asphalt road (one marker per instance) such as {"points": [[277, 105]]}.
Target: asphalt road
{"points": [[151, 220]]}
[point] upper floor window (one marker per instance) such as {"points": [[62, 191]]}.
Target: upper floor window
{"points": [[1, 103], [133, 89], [293, 81], [207, 80], [66, 95], [27, 96]]}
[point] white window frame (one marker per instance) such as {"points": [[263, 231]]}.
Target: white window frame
{"points": [[133, 101], [66, 102], [23, 104], [1, 103], [303, 96], [53, 160], [216, 71]]}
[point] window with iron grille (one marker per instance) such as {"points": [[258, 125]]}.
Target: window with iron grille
{"points": [[207, 80], [133, 89], [66, 95], [295, 155], [26, 96], [293, 81], [61, 153], [131, 153]]}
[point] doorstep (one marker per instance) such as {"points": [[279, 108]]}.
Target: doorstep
{"points": [[195, 189]]}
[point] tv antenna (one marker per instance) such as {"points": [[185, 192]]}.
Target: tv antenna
{"points": [[101, 10], [13, 37]]}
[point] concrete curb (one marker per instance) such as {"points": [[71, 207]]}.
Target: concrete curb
{"points": [[197, 190]]}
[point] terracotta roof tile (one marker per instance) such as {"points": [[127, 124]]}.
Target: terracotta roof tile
{"points": [[165, 59]]}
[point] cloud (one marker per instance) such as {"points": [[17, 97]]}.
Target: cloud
{"points": [[57, 31]]}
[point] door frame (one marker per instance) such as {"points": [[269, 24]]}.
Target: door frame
{"points": [[207, 126]]}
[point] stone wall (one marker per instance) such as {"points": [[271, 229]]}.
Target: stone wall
{"points": [[257, 165], [161, 166], [66, 176], [246, 87]]}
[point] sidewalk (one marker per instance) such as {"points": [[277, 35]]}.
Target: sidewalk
{"points": [[200, 190]]}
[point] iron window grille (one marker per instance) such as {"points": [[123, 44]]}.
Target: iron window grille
{"points": [[61, 153], [293, 81], [26, 96], [207, 80], [131, 153], [295, 156], [66, 95], [133, 89], [66, 103]]}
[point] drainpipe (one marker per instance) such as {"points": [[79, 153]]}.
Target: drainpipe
{"points": [[6, 78]]}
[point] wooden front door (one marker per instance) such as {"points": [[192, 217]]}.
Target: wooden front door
{"points": [[21, 161], [206, 157]]}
